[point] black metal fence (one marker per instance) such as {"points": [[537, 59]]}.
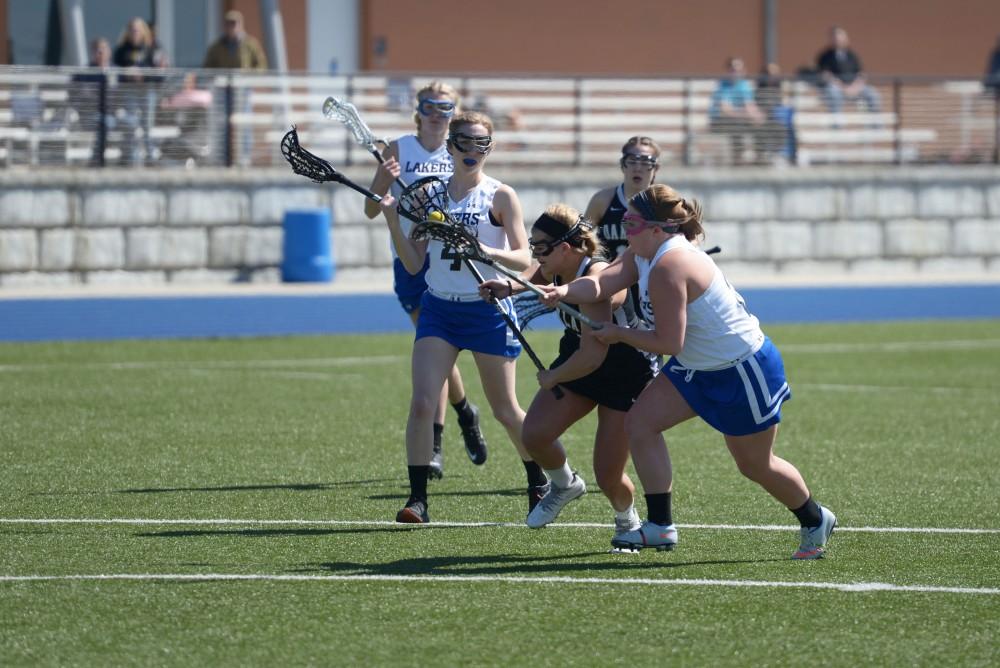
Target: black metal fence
{"points": [[53, 117]]}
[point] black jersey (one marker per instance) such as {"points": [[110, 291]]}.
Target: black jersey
{"points": [[609, 228], [624, 372], [612, 234]]}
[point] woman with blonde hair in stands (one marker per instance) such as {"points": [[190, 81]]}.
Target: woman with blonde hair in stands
{"points": [[138, 49], [592, 373], [409, 158], [723, 368], [453, 317]]}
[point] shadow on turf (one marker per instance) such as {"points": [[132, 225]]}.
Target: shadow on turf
{"points": [[266, 533], [503, 564], [479, 492], [293, 486]]}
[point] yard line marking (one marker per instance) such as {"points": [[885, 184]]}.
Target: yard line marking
{"points": [[838, 387], [851, 587], [506, 525], [215, 364], [891, 346]]}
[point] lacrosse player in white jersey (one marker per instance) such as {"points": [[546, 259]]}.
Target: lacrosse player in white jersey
{"points": [[723, 368], [453, 317], [409, 158]]}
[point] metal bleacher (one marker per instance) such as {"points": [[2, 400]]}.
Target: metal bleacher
{"points": [[579, 121]]}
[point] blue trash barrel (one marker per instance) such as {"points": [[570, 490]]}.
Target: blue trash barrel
{"points": [[306, 252]]}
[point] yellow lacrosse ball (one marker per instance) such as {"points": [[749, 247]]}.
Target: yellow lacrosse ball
{"points": [[436, 215]]}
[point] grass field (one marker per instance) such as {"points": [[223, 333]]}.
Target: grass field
{"points": [[255, 482]]}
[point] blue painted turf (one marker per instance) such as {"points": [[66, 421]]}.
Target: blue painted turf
{"points": [[102, 318]]}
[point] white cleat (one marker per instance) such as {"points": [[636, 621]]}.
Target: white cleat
{"points": [[555, 499]]}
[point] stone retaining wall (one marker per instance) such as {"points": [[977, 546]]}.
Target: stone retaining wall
{"points": [[215, 226]]}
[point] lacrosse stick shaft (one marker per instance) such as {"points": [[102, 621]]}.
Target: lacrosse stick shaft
{"points": [[557, 391]]}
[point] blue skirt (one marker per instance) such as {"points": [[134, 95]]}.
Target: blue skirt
{"points": [[409, 287], [473, 325], [740, 400]]}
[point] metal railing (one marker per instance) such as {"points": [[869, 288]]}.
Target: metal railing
{"points": [[64, 117]]}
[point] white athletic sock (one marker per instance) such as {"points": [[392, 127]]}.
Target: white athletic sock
{"points": [[625, 514], [563, 476]]}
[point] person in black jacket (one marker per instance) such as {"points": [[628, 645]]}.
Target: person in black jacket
{"points": [[136, 50], [842, 76]]}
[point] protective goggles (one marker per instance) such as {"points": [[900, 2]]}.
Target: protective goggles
{"points": [[635, 224], [643, 161], [469, 143], [443, 107], [551, 226]]}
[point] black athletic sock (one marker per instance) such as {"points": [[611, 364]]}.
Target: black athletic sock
{"points": [[658, 509], [418, 482], [536, 476], [809, 513], [438, 430], [464, 410]]}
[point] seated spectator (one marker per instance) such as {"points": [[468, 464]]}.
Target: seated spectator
{"points": [[776, 137], [732, 110], [993, 71], [190, 108], [93, 111], [841, 75]]}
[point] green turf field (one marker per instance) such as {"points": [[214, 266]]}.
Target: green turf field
{"points": [[260, 478]]}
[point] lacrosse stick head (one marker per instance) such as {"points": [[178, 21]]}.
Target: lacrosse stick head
{"points": [[347, 114], [425, 200], [528, 307], [305, 163]]}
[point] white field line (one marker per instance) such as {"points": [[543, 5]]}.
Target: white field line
{"points": [[505, 525], [818, 348], [891, 346], [313, 362], [562, 580]]}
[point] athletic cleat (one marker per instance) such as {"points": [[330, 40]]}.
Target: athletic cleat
{"points": [[555, 499], [814, 539], [414, 512], [649, 534], [435, 470], [535, 494], [623, 526], [475, 444]]}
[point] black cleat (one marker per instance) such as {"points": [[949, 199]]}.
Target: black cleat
{"points": [[475, 444], [435, 470], [414, 512], [535, 494]]}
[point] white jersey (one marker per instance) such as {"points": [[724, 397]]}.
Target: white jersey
{"points": [[720, 331], [448, 277], [415, 163]]}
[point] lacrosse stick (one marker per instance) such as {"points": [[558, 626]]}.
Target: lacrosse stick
{"points": [[424, 202], [420, 203], [345, 112], [316, 168]]}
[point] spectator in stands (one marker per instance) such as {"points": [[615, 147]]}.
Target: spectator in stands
{"points": [[732, 110], [92, 111], [136, 50], [776, 137], [190, 108], [235, 49], [993, 70], [841, 75]]}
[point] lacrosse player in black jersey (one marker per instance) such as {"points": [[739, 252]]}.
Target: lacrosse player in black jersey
{"points": [[639, 163], [410, 158], [592, 375]]}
